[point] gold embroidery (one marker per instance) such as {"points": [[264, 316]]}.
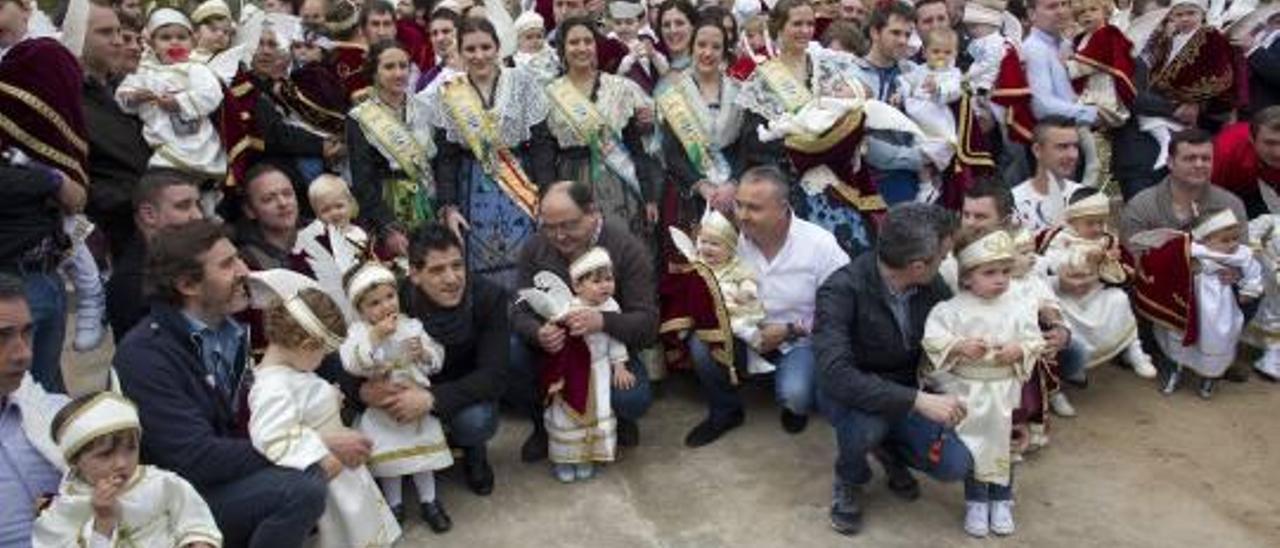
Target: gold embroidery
{"points": [[45, 110]]}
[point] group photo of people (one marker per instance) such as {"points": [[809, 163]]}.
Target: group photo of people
{"points": [[277, 273]]}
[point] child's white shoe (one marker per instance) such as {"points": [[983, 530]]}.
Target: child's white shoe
{"points": [[1061, 405], [1002, 517], [89, 329], [976, 519], [563, 472], [1140, 361]]}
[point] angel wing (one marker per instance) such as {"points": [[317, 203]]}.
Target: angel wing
{"points": [[1142, 27], [1152, 239], [881, 115], [539, 302], [549, 296], [554, 286], [683, 243], [227, 63], [266, 286]]}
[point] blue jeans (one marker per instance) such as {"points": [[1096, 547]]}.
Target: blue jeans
{"points": [[275, 507], [524, 394], [978, 491], [793, 381], [1071, 361], [474, 425], [909, 439], [47, 299]]}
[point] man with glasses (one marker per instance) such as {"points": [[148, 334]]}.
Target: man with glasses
{"points": [[569, 224]]}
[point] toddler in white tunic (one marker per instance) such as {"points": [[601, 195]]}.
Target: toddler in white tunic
{"points": [[152, 508], [332, 245], [383, 342], [1264, 331], [982, 345], [291, 408], [1215, 248]]}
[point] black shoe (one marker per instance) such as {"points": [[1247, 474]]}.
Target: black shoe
{"points": [[1206, 388], [535, 447], [846, 514], [479, 474], [710, 430], [901, 482], [1170, 384], [793, 423], [1236, 373], [398, 512], [628, 433], [433, 513]]}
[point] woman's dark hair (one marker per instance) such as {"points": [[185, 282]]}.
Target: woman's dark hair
{"points": [[562, 35], [375, 51], [713, 23], [431, 237], [682, 6], [173, 257], [718, 15], [781, 12], [476, 24]]}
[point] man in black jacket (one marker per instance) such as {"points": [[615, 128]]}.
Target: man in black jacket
{"points": [[469, 317], [869, 322], [185, 367]]}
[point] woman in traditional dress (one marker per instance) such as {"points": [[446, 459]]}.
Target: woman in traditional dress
{"points": [[832, 191], [675, 32], [390, 150], [495, 151], [596, 120], [700, 121]]}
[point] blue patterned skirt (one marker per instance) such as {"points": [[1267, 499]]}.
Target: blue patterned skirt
{"points": [[498, 227]]}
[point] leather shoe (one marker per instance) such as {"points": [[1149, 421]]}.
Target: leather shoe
{"points": [[901, 482], [479, 474], [793, 423], [433, 513], [710, 430], [535, 447], [628, 433], [846, 514]]}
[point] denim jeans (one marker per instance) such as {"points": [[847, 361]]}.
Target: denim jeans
{"points": [[979, 491], [474, 425], [1071, 361], [909, 439], [275, 507], [793, 381], [524, 393], [47, 299]]}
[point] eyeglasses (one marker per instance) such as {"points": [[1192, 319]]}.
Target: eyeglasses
{"points": [[556, 229]]}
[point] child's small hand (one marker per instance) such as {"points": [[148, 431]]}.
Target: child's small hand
{"points": [[332, 467], [622, 377], [414, 349], [972, 349], [105, 503], [930, 85], [1009, 353], [384, 327]]}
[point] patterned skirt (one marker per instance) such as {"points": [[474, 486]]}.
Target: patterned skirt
{"points": [[498, 226]]}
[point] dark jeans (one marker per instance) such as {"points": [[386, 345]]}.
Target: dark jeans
{"points": [[474, 425], [978, 491], [524, 394], [909, 439], [274, 507], [793, 380], [47, 299]]}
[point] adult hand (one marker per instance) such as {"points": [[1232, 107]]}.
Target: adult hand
{"points": [[334, 150], [71, 195], [349, 446], [551, 337], [167, 103], [1009, 353], [623, 379], [1057, 338], [378, 392], [944, 409], [106, 505], [584, 321], [772, 335], [456, 222], [397, 243], [411, 405]]}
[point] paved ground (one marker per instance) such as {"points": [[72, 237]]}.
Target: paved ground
{"points": [[1135, 469]]}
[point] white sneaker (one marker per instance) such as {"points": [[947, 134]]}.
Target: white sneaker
{"points": [[563, 472], [976, 521], [1140, 361], [89, 329], [1061, 405], [1002, 517]]}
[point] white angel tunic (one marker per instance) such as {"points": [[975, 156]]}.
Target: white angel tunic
{"points": [[1220, 318], [186, 139], [398, 448], [1102, 319], [1264, 330], [932, 110], [990, 390], [289, 412], [158, 509], [330, 252], [591, 438]]}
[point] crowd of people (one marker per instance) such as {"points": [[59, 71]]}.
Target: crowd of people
{"points": [[332, 238]]}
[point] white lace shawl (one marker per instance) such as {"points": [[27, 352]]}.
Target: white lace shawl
{"points": [[829, 71], [616, 99], [721, 124], [518, 102]]}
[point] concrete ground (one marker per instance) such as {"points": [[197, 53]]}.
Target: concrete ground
{"points": [[1134, 469]]}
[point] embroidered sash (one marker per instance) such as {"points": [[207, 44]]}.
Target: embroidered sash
{"points": [[409, 199], [785, 86], [604, 143], [690, 125], [480, 132]]}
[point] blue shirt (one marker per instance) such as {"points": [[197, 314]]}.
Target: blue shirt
{"points": [[25, 476], [219, 349], [1051, 91]]}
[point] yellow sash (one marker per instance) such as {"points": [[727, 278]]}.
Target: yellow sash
{"points": [[592, 129], [784, 85], [673, 102], [480, 132], [392, 138]]}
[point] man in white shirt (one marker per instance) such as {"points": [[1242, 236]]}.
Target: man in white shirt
{"points": [[1039, 201], [791, 258]]}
